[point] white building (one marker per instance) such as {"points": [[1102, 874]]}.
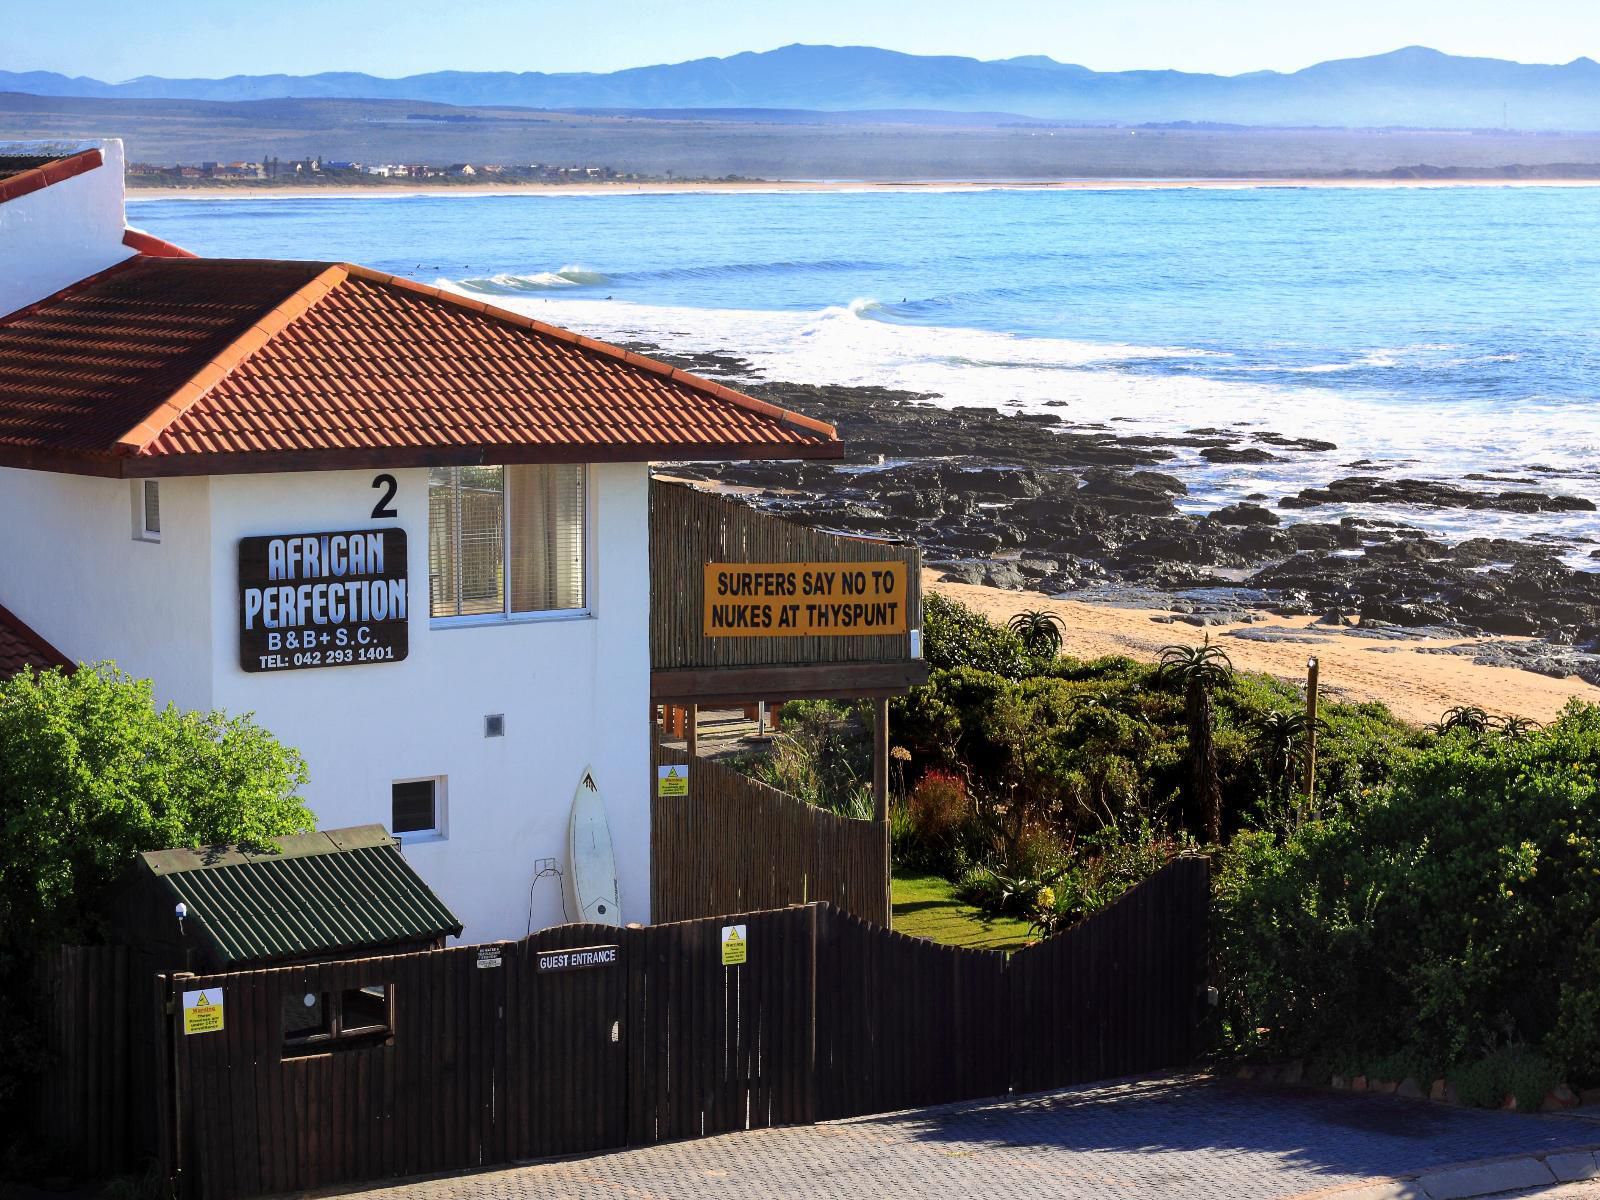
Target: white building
{"points": [[177, 434]]}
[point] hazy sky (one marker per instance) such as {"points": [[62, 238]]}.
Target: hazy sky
{"points": [[117, 39]]}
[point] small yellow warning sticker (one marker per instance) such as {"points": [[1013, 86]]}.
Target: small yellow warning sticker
{"points": [[734, 946], [672, 781], [202, 1011]]}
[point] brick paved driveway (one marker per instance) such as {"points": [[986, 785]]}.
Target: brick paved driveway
{"points": [[1176, 1137]]}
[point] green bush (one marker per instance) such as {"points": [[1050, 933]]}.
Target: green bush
{"points": [[1454, 914], [92, 773], [953, 635], [822, 755]]}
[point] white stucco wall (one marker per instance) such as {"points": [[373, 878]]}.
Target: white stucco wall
{"points": [[573, 691], [60, 234], [71, 568]]}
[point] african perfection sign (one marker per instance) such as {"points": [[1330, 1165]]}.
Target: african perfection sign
{"points": [[322, 599], [837, 599]]}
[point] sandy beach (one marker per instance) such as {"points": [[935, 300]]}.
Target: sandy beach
{"points": [[756, 186], [1417, 687]]}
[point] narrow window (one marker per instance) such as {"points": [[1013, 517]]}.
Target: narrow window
{"points": [[506, 541], [416, 809], [147, 510]]}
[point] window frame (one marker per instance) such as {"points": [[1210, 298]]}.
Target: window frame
{"points": [[441, 810], [333, 1036], [505, 616]]}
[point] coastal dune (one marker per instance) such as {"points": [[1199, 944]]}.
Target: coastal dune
{"points": [[1416, 685]]}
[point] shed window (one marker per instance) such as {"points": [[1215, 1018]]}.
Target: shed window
{"points": [[506, 541], [318, 1022]]}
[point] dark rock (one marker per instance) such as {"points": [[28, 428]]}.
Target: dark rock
{"points": [[1245, 514], [1004, 575], [1222, 454], [1364, 489], [1286, 443]]}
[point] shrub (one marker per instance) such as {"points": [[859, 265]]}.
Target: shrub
{"points": [[822, 756], [1453, 915], [953, 635], [938, 805], [92, 773]]}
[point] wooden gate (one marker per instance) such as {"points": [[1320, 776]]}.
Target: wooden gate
{"points": [[903, 1022]]}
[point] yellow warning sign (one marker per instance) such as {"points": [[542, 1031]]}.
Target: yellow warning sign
{"points": [[672, 781], [202, 1011], [804, 599], [734, 946]]}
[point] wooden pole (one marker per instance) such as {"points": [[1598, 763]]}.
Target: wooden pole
{"points": [[880, 761], [880, 792], [691, 731], [1313, 669]]}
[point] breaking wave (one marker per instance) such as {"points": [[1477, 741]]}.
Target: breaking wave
{"points": [[506, 284]]}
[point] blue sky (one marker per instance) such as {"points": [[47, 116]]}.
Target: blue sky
{"points": [[118, 39]]}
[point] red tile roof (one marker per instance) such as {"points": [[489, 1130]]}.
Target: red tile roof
{"points": [[149, 243], [169, 366], [40, 172], [22, 647]]}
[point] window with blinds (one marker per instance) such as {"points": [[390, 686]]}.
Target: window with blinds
{"points": [[505, 540]]}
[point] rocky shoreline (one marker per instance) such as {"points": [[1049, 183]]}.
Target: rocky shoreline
{"points": [[1017, 500]]}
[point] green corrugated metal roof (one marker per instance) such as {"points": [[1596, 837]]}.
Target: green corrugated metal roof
{"points": [[324, 893]]}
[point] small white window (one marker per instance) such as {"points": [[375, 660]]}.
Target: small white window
{"points": [[147, 510], [417, 808]]}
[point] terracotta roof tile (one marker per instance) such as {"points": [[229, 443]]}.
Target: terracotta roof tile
{"points": [[172, 366], [22, 647], [20, 175]]}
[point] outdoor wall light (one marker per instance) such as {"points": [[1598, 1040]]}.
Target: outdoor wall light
{"points": [[181, 911]]}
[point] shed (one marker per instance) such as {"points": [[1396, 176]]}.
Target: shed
{"points": [[337, 893]]}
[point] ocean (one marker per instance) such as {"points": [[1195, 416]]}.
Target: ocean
{"points": [[1430, 333]]}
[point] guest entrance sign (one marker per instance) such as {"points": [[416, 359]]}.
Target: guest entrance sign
{"points": [[322, 599], [837, 599], [577, 960]]}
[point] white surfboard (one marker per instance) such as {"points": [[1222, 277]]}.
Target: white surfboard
{"points": [[591, 866]]}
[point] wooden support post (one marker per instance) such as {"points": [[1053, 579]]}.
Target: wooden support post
{"points": [[1313, 669], [691, 731], [880, 793], [880, 761]]}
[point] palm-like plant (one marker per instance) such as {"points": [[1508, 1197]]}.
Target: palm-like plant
{"points": [[1276, 734], [1041, 631], [1465, 716], [1516, 728], [1200, 670], [1282, 738]]}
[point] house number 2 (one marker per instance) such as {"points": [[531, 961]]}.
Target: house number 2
{"points": [[385, 505]]}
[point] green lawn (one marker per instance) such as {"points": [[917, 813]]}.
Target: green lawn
{"points": [[925, 906]]}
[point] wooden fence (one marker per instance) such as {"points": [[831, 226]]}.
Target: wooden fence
{"points": [[489, 1059], [690, 528], [735, 845], [86, 1020]]}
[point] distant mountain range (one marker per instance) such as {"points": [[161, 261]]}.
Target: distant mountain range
{"points": [[1414, 87]]}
